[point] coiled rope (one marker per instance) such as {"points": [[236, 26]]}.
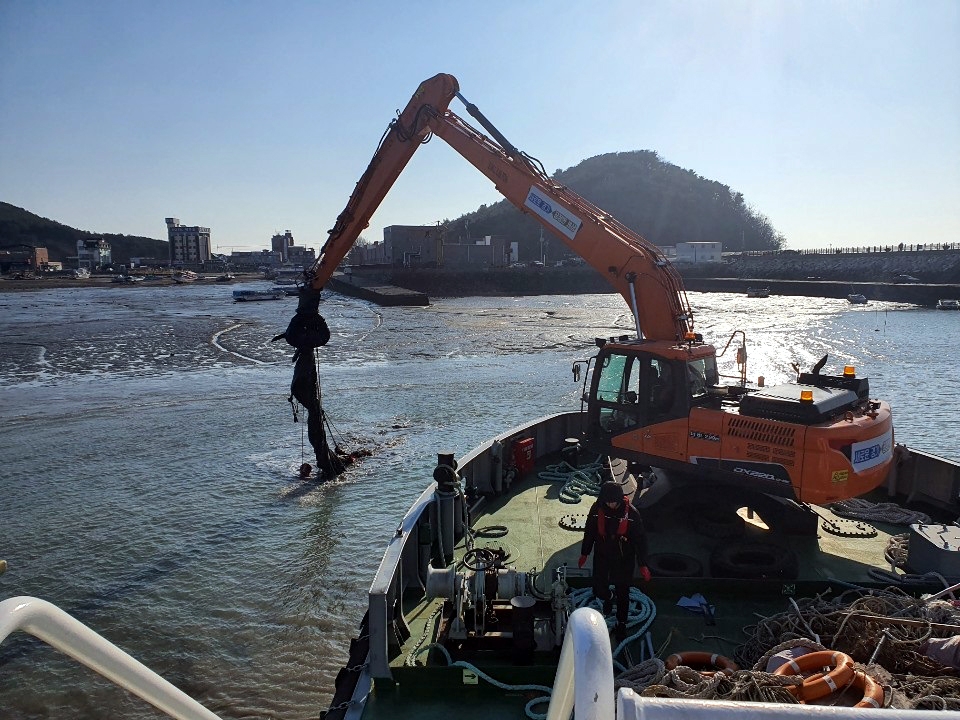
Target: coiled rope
{"points": [[640, 616], [576, 481], [860, 509]]}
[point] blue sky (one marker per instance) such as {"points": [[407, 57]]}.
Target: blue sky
{"points": [[839, 121]]}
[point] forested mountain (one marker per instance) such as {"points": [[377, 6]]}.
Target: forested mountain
{"points": [[664, 203], [20, 227]]}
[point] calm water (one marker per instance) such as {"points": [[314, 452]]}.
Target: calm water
{"points": [[149, 460]]}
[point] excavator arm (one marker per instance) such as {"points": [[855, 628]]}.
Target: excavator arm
{"points": [[635, 268], [819, 440]]}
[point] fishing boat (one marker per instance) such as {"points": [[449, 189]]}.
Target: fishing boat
{"points": [[480, 584], [256, 295], [478, 608], [758, 292], [948, 304], [183, 277], [857, 299]]}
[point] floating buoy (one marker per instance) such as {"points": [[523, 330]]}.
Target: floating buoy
{"points": [[305, 471], [821, 684]]}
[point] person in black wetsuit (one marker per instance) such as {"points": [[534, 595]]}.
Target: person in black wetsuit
{"points": [[614, 532]]}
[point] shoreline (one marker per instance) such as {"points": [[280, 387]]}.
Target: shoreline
{"points": [[416, 287], [106, 281]]}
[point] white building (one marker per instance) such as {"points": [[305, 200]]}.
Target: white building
{"points": [[93, 253], [189, 245], [699, 252]]}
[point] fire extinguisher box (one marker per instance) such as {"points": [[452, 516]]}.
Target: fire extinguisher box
{"points": [[523, 455]]}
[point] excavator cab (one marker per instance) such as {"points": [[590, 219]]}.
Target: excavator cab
{"points": [[641, 394]]}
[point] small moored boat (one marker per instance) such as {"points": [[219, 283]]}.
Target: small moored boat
{"points": [[185, 276], [251, 295], [857, 299], [948, 304], [758, 292]]}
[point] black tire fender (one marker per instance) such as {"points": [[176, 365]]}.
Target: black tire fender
{"points": [[674, 565], [752, 559]]}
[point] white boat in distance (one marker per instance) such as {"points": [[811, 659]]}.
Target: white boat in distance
{"points": [[251, 295], [948, 304], [185, 276], [857, 299]]}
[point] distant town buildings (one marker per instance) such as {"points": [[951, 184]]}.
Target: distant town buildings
{"points": [[698, 252], [35, 259], [412, 245], [189, 244], [426, 246], [280, 244], [93, 253]]}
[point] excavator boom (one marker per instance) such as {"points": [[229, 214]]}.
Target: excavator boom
{"points": [[656, 399], [399, 143], [634, 267]]}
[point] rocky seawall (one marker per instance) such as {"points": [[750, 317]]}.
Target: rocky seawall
{"points": [[874, 275], [929, 266]]}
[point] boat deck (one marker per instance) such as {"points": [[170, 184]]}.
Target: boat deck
{"points": [[531, 512]]}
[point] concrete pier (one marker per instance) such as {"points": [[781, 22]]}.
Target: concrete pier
{"points": [[375, 291]]}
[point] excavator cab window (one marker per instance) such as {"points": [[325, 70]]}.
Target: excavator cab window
{"points": [[617, 389], [633, 389], [701, 375]]}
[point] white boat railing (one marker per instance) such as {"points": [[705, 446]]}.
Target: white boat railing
{"points": [[584, 679], [631, 706], [49, 623]]}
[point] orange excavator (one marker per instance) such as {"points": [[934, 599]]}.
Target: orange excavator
{"points": [[655, 399]]}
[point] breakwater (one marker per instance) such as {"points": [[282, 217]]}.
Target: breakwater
{"points": [[915, 293], [376, 289], [830, 276], [933, 266]]}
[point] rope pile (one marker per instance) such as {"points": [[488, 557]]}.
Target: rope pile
{"points": [[884, 631], [853, 623], [885, 627], [576, 481], [859, 509], [925, 693], [742, 686], [640, 616]]}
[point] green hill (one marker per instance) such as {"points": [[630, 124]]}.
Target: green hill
{"points": [[19, 227], [662, 202]]}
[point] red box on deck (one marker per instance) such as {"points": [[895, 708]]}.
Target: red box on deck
{"points": [[523, 455]]}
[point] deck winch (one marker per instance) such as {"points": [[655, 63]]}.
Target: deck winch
{"points": [[492, 603]]}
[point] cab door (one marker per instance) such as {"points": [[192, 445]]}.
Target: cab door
{"points": [[638, 403], [614, 396], [665, 408]]}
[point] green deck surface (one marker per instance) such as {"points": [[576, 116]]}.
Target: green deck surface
{"points": [[531, 511]]}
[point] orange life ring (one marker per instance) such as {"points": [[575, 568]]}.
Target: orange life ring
{"points": [[696, 659], [872, 690], [819, 684]]}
